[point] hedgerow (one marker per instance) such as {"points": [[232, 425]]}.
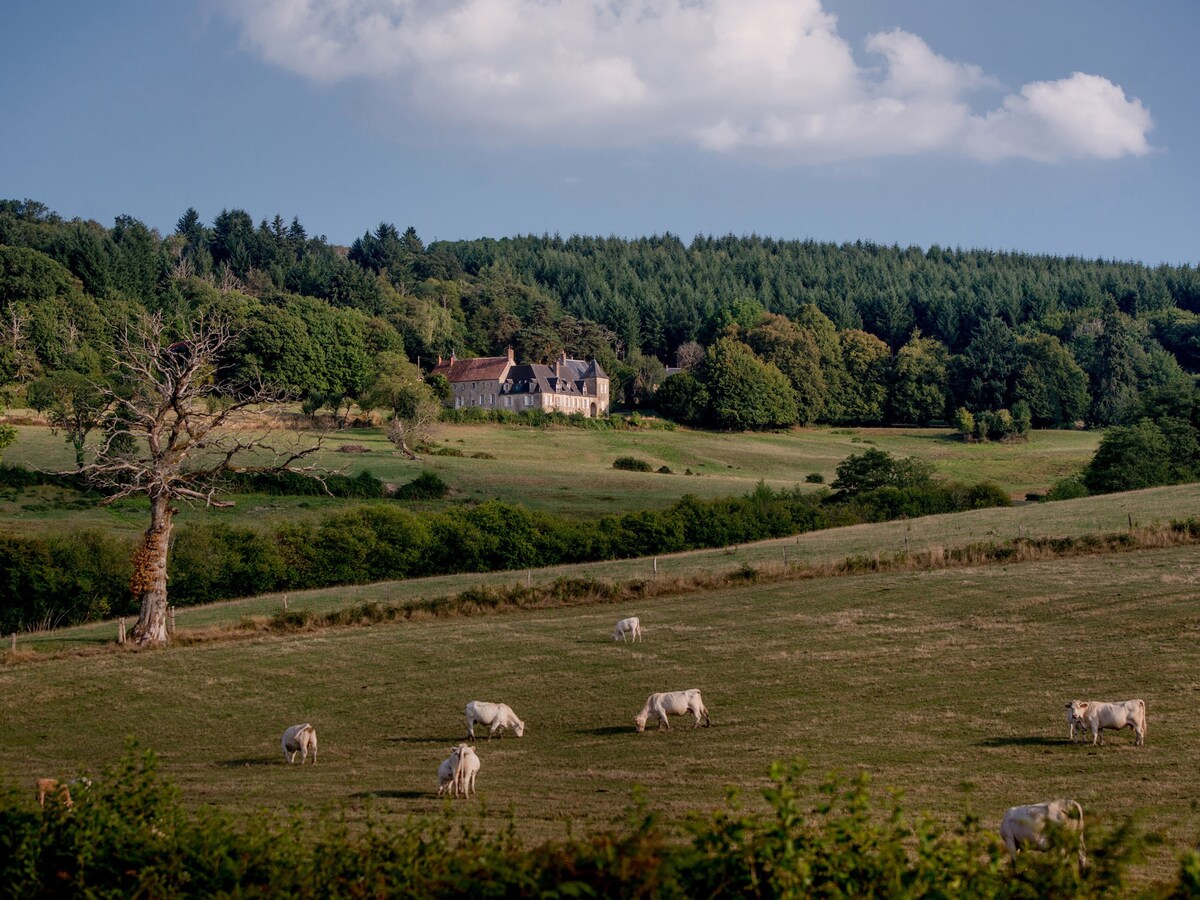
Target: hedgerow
{"points": [[85, 575], [128, 834]]}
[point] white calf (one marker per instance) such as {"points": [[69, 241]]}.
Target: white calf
{"points": [[496, 716], [672, 703], [1025, 826], [631, 626], [1096, 716], [447, 771], [299, 739]]}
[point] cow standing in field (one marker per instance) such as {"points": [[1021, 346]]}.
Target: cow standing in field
{"points": [[631, 627], [672, 703], [466, 770], [496, 716], [1095, 716], [299, 740], [1025, 826]]}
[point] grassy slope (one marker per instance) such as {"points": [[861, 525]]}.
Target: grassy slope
{"points": [[948, 684], [1108, 513], [569, 470]]}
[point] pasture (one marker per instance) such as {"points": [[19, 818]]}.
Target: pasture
{"points": [[948, 684], [568, 471]]}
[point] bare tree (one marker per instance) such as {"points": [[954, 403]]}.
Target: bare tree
{"points": [[414, 419], [193, 427]]}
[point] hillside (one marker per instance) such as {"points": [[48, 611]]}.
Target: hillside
{"points": [[948, 684]]}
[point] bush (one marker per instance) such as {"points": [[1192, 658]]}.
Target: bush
{"points": [[426, 486], [814, 478], [631, 464], [1067, 489], [129, 835]]}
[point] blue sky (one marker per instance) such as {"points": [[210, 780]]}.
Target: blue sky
{"points": [[1056, 126]]}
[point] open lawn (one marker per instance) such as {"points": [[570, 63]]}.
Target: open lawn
{"points": [[948, 684], [569, 471]]}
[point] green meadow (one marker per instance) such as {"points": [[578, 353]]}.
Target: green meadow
{"points": [[568, 471], [948, 684]]}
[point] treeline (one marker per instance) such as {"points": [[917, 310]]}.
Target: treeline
{"points": [[71, 578], [128, 834], [770, 332]]}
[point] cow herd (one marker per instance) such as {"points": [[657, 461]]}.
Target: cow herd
{"points": [[1022, 827]]}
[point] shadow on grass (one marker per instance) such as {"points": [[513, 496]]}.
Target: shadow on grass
{"points": [[607, 730], [252, 761], [391, 795], [1026, 741]]}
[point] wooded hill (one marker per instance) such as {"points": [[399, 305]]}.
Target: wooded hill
{"points": [[772, 332]]}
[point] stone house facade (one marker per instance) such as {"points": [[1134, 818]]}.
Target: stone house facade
{"points": [[570, 386]]}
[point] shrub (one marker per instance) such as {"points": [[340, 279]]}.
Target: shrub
{"points": [[814, 478], [129, 835], [631, 464], [1067, 489], [426, 486]]}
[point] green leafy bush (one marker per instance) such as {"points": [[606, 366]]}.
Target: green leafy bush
{"points": [[631, 464], [128, 835], [426, 486]]}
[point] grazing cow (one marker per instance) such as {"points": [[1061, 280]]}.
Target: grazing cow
{"points": [[299, 739], [672, 703], [496, 716], [447, 772], [631, 626], [1095, 716], [1025, 826], [466, 770], [54, 789]]}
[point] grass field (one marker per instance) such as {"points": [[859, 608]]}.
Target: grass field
{"points": [[569, 470], [947, 684], [1073, 518]]}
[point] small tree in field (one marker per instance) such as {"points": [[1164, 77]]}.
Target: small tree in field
{"points": [[191, 428]]}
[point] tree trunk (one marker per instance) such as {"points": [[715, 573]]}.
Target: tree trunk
{"points": [[149, 579]]}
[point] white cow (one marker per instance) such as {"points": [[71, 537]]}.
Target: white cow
{"points": [[1025, 826], [467, 769], [631, 626], [447, 771], [1095, 716], [496, 716], [672, 703], [299, 739], [1074, 726]]}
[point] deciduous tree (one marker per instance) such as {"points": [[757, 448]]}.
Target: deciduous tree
{"points": [[192, 427]]}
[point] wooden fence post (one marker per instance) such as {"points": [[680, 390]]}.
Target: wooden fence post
{"points": [[121, 630], [285, 602], [656, 565], [14, 642], [170, 620]]}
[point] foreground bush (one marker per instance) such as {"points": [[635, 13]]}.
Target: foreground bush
{"points": [[129, 835]]}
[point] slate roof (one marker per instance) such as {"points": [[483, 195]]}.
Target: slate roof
{"points": [[479, 368]]}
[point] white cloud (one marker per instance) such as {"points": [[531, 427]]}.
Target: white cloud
{"points": [[764, 78]]}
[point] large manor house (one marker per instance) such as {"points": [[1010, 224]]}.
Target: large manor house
{"points": [[571, 386]]}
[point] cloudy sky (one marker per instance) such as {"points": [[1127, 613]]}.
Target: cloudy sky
{"points": [[1058, 126]]}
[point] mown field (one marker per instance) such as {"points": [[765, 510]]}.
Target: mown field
{"points": [[569, 471], [947, 684]]}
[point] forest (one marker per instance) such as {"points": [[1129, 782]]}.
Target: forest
{"points": [[757, 332]]}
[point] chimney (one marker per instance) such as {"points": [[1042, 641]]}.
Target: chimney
{"points": [[510, 354], [439, 359]]}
